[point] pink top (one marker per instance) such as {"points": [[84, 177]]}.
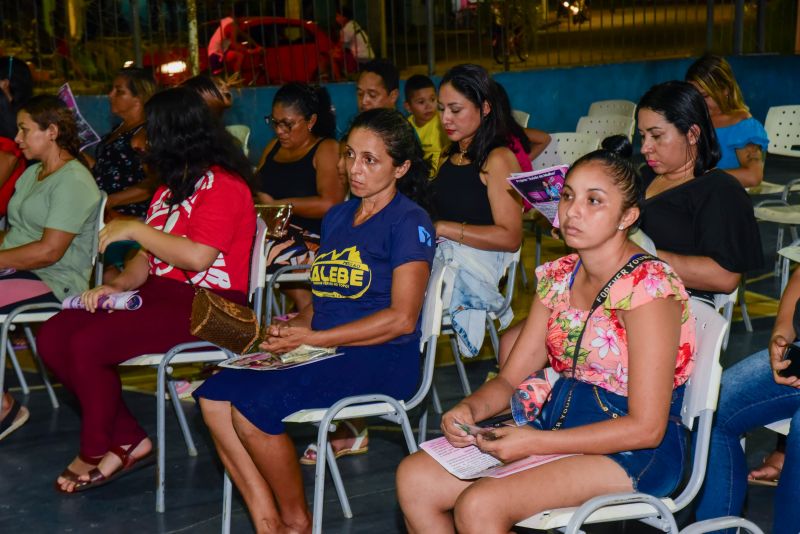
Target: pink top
{"points": [[603, 359]]}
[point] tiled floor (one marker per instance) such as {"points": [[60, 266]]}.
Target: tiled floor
{"points": [[32, 457]]}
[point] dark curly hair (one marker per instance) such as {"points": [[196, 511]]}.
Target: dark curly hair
{"points": [[402, 144], [184, 140], [49, 109], [309, 100], [474, 83]]}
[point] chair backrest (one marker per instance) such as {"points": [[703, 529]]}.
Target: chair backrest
{"points": [[97, 259], [702, 392], [613, 107], [565, 148], [783, 130], [437, 299], [521, 117], [603, 126], [242, 134], [258, 267], [702, 388]]}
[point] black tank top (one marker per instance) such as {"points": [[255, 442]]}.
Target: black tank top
{"points": [[459, 195], [291, 179]]}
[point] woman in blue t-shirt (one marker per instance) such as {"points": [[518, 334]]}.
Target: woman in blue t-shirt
{"points": [[368, 283], [742, 138]]}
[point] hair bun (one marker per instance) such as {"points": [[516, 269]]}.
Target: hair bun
{"points": [[619, 145]]}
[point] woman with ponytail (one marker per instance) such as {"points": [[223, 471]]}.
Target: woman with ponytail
{"points": [[298, 167]]}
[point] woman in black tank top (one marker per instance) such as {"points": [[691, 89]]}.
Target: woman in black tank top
{"points": [[299, 166], [473, 201]]}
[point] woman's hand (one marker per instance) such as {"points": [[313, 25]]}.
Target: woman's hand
{"points": [[91, 298], [282, 338], [507, 443], [457, 437], [118, 230], [264, 198], [777, 348]]}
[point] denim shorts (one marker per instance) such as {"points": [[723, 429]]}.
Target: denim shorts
{"points": [[654, 471]]}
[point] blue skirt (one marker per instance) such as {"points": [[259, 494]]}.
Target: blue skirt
{"points": [[266, 397], [655, 471]]}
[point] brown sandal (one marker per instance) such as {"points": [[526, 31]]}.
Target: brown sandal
{"points": [[129, 464], [71, 476]]}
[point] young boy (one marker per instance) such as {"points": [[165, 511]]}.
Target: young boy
{"points": [[421, 102]]}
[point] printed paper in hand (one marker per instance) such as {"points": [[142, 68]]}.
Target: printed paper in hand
{"points": [[86, 133], [127, 300], [266, 361], [467, 463], [542, 189]]}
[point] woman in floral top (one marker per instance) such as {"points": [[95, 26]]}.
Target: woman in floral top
{"points": [[616, 407]]}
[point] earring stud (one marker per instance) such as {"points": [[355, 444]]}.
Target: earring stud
{"points": [[621, 227]]}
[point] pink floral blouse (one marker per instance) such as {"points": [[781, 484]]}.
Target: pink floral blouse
{"points": [[603, 358]]}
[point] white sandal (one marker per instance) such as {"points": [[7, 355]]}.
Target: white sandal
{"points": [[358, 447]]}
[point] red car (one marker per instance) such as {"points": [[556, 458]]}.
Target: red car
{"points": [[277, 50]]}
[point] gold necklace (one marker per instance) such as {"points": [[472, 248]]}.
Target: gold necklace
{"points": [[461, 154]]}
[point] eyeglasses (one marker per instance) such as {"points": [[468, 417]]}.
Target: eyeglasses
{"points": [[280, 125]]}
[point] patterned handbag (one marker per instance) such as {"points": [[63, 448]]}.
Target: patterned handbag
{"points": [[224, 323]]}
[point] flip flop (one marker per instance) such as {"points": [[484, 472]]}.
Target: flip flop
{"points": [[16, 417], [129, 465], [358, 447]]}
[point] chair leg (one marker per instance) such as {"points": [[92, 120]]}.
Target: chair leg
{"points": [[784, 273], [727, 313], [179, 413], [538, 253], [437, 403], [227, 498], [778, 247], [493, 337], [17, 369], [42, 371], [408, 432], [160, 436], [523, 275], [422, 433], [462, 373], [748, 324]]}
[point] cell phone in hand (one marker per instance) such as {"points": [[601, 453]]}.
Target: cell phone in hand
{"points": [[792, 353]]}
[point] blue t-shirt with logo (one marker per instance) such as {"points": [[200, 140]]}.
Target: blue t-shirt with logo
{"points": [[352, 274]]}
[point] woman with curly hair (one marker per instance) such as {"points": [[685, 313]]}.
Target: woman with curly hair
{"points": [[198, 233]]}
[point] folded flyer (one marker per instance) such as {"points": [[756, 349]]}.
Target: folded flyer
{"points": [[469, 462], [266, 361], [87, 135], [127, 300], [542, 189]]}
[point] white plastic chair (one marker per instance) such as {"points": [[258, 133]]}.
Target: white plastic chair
{"points": [[602, 126], [697, 412], [377, 405], [195, 352], [521, 117], [565, 148], [29, 314], [284, 274], [613, 107], [711, 525], [242, 134], [491, 317], [783, 129]]}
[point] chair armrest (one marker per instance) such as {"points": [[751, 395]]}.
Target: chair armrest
{"points": [[592, 505]]}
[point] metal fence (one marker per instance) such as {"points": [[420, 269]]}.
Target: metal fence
{"points": [[86, 41]]}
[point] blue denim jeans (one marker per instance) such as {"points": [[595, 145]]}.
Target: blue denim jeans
{"points": [[749, 399]]}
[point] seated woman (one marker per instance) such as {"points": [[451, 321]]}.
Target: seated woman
{"points": [[621, 384], [46, 255], [752, 395], [118, 166], [16, 87], [298, 167], [526, 143], [699, 217], [198, 233], [372, 317], [742, 139], [477, 213]]}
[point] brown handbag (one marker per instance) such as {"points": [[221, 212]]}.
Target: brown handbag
{"points": [[224, 323]]}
